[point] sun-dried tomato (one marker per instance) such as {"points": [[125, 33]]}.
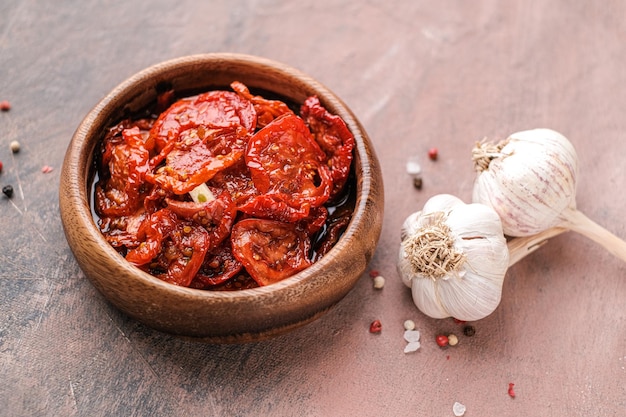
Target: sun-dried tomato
{"points": [[217, 216], [127, 163], [197, 155], [267, 110], [287, 168], [214, 108], [219, 266], [270, 250], [335, 139]]}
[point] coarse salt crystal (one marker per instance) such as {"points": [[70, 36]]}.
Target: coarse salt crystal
{"points": [[412, 347], [458, 409], [413, 167], [412, 335]]}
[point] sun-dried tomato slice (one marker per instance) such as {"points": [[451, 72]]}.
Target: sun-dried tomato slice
{"points": [[216, 216], [266, 110], [270, 250], [127, 164], [334, 137], [286, 164], [219, 266], [235, 179], [197, 155], [153, 230], [214, 108], [172, 249]]}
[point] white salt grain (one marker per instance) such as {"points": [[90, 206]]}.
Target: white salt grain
{"points": [[458, 409]]}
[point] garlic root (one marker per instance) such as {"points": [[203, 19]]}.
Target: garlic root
{"points": [[578, 222]]}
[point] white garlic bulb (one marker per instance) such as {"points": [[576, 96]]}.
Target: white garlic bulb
{"points": [[454, 257], [529, 179]]}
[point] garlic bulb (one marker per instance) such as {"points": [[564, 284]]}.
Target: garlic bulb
{"points": [[454, 257], [529, 179]]}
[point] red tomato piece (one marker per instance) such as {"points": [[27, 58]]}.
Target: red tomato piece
{"points": [[235, 179], [197, 156], [127, 162], [334, 137], [315, 221], [270, 250], [219, 266], [185, 253], [276, 207], [153, 230], [172, 249], [122, 231], [266, 110], [287, 163], [216, 216], [214, 108]]}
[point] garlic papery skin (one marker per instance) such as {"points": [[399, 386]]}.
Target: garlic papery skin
{"points": [[529, 179], [454, 257]]}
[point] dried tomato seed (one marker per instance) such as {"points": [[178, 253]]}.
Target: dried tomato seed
{"points": [[376, 326], [5, 105], [433, 153], [469, 331], [442, 340], [7, 190], [511, 392]]}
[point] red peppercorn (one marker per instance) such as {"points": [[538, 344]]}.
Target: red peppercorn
{"points": [[433, 153], [374, 273], [376, 326], [1, 166], [5, 105], [442, 340], [511, 392]]}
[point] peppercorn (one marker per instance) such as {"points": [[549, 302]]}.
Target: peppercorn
{"points": [[7, 190], [0, 166], [15, 146], [5, 105], [453, 340], [417, 182], [469, 331], [442, 340], [409, 325], [379, 282], [433, 153], [376, 326]]}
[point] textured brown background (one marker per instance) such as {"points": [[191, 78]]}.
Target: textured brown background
{"points": [[417, 74]]}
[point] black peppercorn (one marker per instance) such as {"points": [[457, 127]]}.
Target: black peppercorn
{"points": [[7, 190], [469, 331]]}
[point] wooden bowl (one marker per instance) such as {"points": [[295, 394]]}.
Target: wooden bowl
{"points": [[217, 316]]}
